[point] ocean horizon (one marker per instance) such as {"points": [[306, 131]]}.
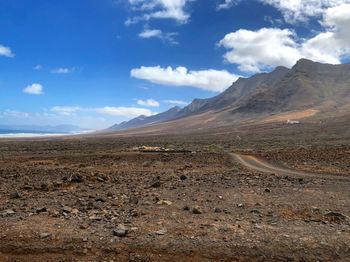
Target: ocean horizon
{"points": [[7, 133]]}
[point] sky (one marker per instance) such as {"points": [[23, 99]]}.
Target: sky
{"points": [[94, 63]]}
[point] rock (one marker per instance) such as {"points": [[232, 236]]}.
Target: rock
{"points": [[41, 210], [9, 212], [76, 179], [133, 200], [197, 210], [84, 226], [100, 199], [165, 202], [15, 195], [217, 210], [121, 231], [66, 209], [155, 183], [109, 194], [183, 177], [336, 215], [45, 235], [161, 232], [186, 208], [96, 218], [75, 211]]}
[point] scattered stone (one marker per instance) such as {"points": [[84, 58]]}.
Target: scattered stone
{"points": [[100, 179], [197, 210], [15, 195], [109, 194], [9, 212], [161, 232], [186, 208], [155, 183], [41, 210], [121, 231], [66, 209], [76, 179], [336, 216], [165, 202], [133, 200], [217, 210], [45, 235], [75, 211], [183, 177], [96, 218], [100, 199], [84, 226]]}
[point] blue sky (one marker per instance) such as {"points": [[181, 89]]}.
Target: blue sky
{"points": [[94, 63]]}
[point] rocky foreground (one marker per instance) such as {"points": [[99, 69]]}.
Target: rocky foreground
{"points": [[110, 201]]}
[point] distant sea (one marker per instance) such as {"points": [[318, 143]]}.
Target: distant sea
{"points": [[7, 133]]}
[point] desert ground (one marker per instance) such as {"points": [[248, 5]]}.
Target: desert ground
{"points": [[271, 193]]}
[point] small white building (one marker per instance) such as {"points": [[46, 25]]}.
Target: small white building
{"points": [[292, 122]]}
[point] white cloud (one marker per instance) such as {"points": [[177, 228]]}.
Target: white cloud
{"points": [[176, 102], [256, 51], [148, 102], [211, 80], [159, 9], [127, 112], [37, 67], [6, 51], [227, 4], [253, 51], [301, 10], [66, 110], [156, 33], [62, 70], [124, 111], [14, 113], [34, 89]]}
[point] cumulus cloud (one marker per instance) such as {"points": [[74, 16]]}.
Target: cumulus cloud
{"points": [[210, 80], [127, 112], [227, 4], [13, 113], [294, 10], [62, 70], [34, 89], [6, 51], [156, 33], [124, 111], [176, 102], [148, 102], [159, 9], [66, 110], [256, 51], [301, 10]]}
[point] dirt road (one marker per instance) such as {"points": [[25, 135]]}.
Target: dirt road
{"points": [[257, 164]]}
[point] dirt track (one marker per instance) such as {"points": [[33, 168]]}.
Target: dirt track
{"points": [[257, 164]]}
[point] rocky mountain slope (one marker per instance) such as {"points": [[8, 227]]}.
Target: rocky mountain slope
{"points": [[306, 86], [145, 121]]}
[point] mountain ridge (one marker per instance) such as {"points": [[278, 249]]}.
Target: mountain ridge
{"points": [[305, 86]]}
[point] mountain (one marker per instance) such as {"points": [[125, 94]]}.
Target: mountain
{"points": [[145, 121], [307, 90], [308, 84]]}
